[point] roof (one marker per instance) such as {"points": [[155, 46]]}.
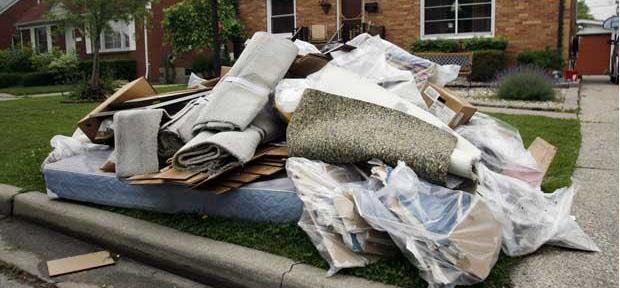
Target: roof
{"points": [[34, 15], [6, 4]]}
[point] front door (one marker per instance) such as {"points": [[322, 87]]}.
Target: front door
{"points": [[351, 15]]}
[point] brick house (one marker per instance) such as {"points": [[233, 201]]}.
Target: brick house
{"points": [[527, 24]]}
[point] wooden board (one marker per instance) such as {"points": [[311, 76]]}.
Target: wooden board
{"points": [[147, 182], [79, 263], [242, 177], [262, 170]]}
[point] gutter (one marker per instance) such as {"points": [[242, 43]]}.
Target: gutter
{"points": [[147, 63]]}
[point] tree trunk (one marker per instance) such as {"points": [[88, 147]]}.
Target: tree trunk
{"points": [[95, 73], [216, 38]]}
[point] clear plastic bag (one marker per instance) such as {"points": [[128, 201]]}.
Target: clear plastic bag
{"points": [[451, 236], [195, 81], [530, 217], [288, 92], [502, 148], [305, 47], [329, 217]]}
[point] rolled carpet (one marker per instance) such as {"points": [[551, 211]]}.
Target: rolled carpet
{"points": [[212, 151], [178, 131], [240, 96], [135, 141], [337, 129]]}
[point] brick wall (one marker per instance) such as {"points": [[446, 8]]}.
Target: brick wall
{"points": [[8, 19], [527, 24]]}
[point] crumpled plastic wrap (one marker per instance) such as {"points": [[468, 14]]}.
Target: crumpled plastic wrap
{"points": [[451, 236], [530, 217], [195, 81], [502, 148], [305, 47], [288, 92], [65, 147], [329, 218]]}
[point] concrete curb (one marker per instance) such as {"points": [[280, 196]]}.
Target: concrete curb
{"points": [[204, 260], [7, 193]]}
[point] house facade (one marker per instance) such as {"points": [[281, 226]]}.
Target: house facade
{"points": [[526, 24]]}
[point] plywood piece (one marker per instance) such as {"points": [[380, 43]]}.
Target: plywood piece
{"points": [[136, 89], [270, 163], [231, 184], [148, 182], [175, 174], [243, 177], [195, 179], [79, 263], [262, 170], [543, 152], [278, 151]]}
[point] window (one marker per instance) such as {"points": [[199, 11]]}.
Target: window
{"points": [[281, 18], [40, 39], [457, 17], [120, 36]]}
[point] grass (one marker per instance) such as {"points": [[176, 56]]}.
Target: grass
{"points": [[26, 125], [24, 91]]}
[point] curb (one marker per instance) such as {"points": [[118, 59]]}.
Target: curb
{"points": [[7, 193], [201, 259]]}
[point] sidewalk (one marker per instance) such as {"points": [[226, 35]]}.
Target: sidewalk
{"points": [[595, 205]]}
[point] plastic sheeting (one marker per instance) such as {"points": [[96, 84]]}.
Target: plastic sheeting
{"points": [[305, 47], [65, 147], [530, 217], [288, 92], [502, 148], [451, 236]]}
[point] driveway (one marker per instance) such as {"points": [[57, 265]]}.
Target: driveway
{"points": [[595, 205]]}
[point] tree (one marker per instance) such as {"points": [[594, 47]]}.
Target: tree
{"points": [[583, 11], [92, 18], [188, 25]]}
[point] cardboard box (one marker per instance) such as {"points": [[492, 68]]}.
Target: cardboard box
{"points": [[446, 106], [136, 89]]}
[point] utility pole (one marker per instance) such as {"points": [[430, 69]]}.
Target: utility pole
{"points": [[216, 38]]}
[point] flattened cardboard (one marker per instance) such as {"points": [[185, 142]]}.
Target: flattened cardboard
{"points": [[446, 106], [262, 170], [306, 65], [136, 89], [543, 152], [79, 263], [243, 177]]}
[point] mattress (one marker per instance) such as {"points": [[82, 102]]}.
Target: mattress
{"points": [[78, 178]]}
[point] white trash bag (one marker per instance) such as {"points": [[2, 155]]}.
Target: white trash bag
{"points": [[530, 217], [450, 236], [195, 81], [288, 93]]}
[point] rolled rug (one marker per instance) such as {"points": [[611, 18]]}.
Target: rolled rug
{"points": [[240, 96], [178, 131], [135, 141], [212, 151], [337, 129]]}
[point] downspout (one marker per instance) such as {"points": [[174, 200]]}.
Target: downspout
{"points": [[147, 63], [560, 27]]}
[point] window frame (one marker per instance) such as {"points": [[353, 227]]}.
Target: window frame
{"points": [[32, 35], [456, 34], [131, 33], [269, 16]]}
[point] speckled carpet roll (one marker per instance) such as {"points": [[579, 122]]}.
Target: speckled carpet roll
{"points": [[337, 129]]}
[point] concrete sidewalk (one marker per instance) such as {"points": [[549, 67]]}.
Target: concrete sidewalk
{"points": [[595, 205]]}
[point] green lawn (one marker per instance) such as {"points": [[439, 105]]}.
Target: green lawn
{"points": [[26, 125], [24, 91]]}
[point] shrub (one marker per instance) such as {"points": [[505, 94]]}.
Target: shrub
{"points": [[121, 69], [438, 45], [41, 61], [86, 92], [486, 64], [203, 64], [17, 60], [10, 79], [66, 68], [38, 79], [525, 83], [547, 59], [484, 43]]}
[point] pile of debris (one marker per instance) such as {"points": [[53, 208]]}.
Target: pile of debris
{"points": [[383, 158]]}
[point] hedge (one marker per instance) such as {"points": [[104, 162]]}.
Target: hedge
{"points": [[547, 59], [487, 63], [28, 79], [452, 45], [10, 79], [121, 69]]}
